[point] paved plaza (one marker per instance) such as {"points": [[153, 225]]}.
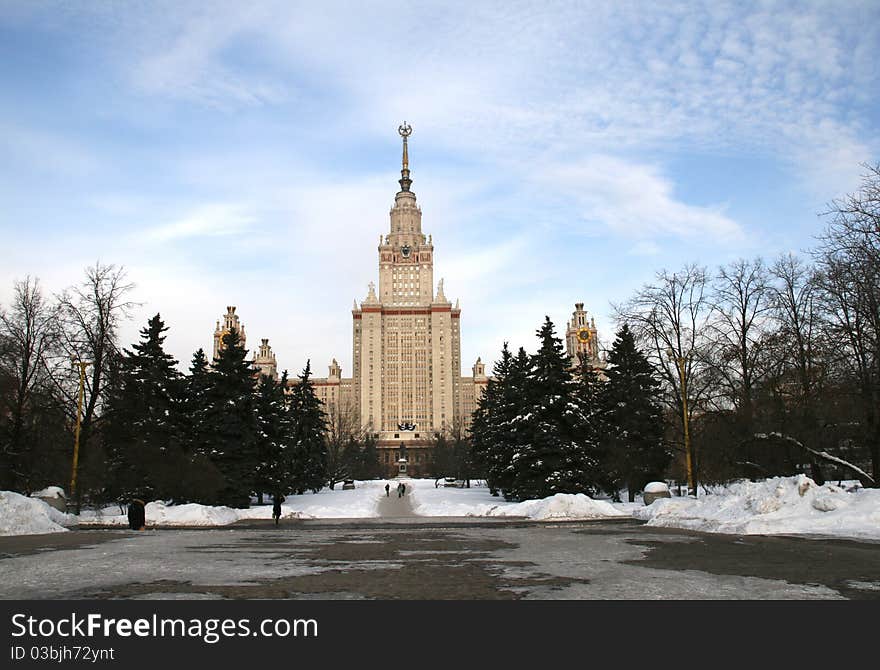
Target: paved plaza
{"points": [[401, 556]]}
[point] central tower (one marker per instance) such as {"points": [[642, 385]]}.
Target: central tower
{"points": [[406, 338]]}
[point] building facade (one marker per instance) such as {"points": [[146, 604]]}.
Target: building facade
{"points": [[406, 341], [406, 386]]}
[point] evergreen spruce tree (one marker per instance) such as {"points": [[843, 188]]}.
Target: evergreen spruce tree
{"points": [[492, 438], [270, 475], [142, 450], [308, 443], [201, 480], [514, 410], [550, 456], [195, 405], [591, 424], [634, 447], [231, 421]]}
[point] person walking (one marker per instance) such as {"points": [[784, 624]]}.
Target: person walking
{"points": [[399, 494], [402, 489], [387, 490], [137, 515], [276, 507]]}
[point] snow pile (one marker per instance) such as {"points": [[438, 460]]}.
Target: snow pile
{"points": [[428, 500], [657, 487], [326, 504], [477, 501], [191, 514], [357, 503], [561, 506], [20, 515], [49, 492], [782, 505], [107, 516]]}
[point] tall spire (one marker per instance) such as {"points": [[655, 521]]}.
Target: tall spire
{"points": [[405, 131]]}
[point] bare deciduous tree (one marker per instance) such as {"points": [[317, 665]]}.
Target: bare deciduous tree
{"points": [[91, 313], [796, 309], [343, 431], [740, 304], [849, 262], [29, 332], [670, 318]]}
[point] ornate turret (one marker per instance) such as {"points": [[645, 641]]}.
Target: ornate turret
{"points": [[441, 297], [265, 360], [229, 321], [581, 337], [371, 295]]}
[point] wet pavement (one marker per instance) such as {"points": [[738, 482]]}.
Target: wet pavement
{"points": [[412, 558]]}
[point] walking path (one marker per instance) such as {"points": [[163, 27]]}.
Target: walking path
{"points": [[393, 507]]}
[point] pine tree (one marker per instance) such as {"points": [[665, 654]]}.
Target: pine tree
{"points": [[514, 409], [591, 424], [195, 405], [143, 451], [201, 481], [492, 436], [634, 447], [309, 446], [549, 457], [271, 473], [231, 421]]}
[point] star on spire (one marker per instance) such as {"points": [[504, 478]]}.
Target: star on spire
{"points": [[405, 130]]}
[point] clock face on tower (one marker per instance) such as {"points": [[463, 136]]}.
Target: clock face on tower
{"points": [[405, 250], [584, 335]]}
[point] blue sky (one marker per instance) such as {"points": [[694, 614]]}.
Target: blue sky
{"points": [[230, 153]]}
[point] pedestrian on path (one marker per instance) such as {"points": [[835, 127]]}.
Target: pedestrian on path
{"points": [[137, 515], [402, 489], [399, 490], [387, 490], [276, 507]]}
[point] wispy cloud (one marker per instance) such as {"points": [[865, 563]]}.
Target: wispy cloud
{"points": [[636, 201], [210, 220]]}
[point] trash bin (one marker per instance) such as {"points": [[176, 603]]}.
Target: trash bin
{"points": [[655, 490]]}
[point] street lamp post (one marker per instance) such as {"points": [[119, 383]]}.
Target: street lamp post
{"points": [[79, 406], [689, 461]]}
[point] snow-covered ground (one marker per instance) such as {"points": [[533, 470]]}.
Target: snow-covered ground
{"points": [[784, 505], [20, 515], [778, 506]]}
